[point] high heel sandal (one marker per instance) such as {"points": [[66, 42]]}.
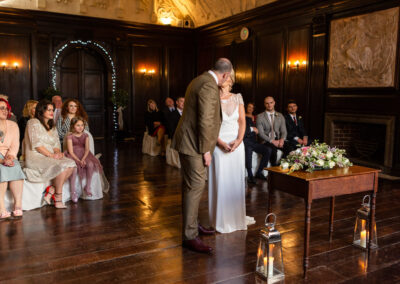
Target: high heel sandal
{"points": [[4, 215], [62, 206], [17, 213], [48, 195]]}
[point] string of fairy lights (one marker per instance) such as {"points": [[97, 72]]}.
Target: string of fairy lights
{"points": [[105, 52]]}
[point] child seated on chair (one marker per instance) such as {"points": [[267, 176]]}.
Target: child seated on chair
{"points": [[78, 150]]}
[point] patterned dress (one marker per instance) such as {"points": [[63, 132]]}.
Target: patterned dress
{"points": [[39, 168]]}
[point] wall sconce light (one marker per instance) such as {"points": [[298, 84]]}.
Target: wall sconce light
{"points": [[147, 73], [297, 64], [5, 66], [166, 20]]}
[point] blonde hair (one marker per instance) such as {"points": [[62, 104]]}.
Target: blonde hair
{"points": [[148, 105], [232, 75], [26, 112]]}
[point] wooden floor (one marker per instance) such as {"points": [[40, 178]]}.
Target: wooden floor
{"points": [[134, 235]]}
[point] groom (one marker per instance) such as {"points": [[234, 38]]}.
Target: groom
{"points": [[195, 139]]}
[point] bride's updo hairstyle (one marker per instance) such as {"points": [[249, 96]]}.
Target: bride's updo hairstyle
{"points": [[41, 107]]}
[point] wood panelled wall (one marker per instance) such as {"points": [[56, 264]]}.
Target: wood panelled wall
{"points": [[288, 31], [279, 32], [33, 37]]}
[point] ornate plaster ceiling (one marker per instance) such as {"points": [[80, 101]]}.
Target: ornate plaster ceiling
{"points": [[188, 13]]}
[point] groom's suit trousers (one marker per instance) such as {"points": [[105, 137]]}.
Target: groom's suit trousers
{"points": [[194, 179]]}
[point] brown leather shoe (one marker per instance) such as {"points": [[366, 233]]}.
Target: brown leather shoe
{"points": [[205, 231], [196, 245]]}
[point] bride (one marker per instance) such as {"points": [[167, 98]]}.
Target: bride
{"points": [[226, 190]]}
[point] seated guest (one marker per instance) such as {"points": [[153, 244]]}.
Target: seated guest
{"points": [[153, 120], [296, 134], [78, 150], [172, 118], [27, 113], [168, 116], [13, 117], [57, 101], [11, 173], [250, 111], [251, 145], [272, 128], [70, 109], [44, 160]]}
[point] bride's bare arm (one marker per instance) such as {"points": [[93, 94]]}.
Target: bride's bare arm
{"points": [[242, 128]]}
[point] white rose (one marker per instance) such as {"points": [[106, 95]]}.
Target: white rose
{"points": [[331, 164], [314, 153], [284, 165], [320, 162], [329, 154], [298, 151], [345, 161]]}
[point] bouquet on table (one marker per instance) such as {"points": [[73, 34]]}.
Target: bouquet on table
{"points": [[317, 156]]}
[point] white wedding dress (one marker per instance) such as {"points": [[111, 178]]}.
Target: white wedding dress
{"points": [[226, 188]]}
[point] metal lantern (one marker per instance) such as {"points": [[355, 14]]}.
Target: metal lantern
{"points": [[269, 254], [362, 226]]}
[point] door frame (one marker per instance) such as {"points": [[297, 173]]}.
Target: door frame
{"points": [[103, 52]]}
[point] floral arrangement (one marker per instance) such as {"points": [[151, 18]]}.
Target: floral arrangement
{"points": [[315, 157]]}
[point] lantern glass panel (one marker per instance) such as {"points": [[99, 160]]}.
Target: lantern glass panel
{"points": [[269, 255], [362, 228]]}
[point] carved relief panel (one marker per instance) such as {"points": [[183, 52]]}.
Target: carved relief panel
{"points": [[363, 50]]}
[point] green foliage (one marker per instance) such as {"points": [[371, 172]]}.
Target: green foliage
{"points": [[120, 98], [50, 92]]}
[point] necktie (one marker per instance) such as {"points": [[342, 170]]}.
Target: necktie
{"points": [[272, 127], [294, 119]]}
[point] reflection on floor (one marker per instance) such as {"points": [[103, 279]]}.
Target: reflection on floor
{"points": [[133, 234]]}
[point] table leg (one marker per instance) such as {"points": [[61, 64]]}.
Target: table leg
{"points": [[306, 236], [372, 217], [269, 193], [331, 217]]}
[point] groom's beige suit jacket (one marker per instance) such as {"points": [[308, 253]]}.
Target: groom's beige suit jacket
{"points": [[198, 129]]}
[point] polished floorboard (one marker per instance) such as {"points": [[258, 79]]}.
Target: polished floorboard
{"points": [[133, 235]]}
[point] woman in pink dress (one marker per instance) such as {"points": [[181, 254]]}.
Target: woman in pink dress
{"points": [[78, 150]]}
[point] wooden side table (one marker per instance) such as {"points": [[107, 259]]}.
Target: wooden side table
{"points": [[321, 184]]}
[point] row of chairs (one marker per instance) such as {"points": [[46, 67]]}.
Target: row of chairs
{"points": [[151, 148]]}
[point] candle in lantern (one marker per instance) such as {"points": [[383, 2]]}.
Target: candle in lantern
{"points": [[363, 238], [269, 266]]}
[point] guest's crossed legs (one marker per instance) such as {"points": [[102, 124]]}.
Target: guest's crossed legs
{"points": [[260, 149]]}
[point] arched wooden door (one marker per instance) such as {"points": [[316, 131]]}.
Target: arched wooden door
{"points": [[83, 76]]}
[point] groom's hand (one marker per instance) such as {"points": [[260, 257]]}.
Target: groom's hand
{"points": [[207, 159]]}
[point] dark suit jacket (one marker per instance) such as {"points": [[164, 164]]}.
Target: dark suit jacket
{"points": [[294, 130], [171, 121], [249, 135], [198, 129]]}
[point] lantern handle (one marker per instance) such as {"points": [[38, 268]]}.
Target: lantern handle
{"points": [[266, 219], [369, 200]]}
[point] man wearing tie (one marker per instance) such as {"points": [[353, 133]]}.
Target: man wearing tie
{"points": [[296, 134], [174, 116], [272, 128]]}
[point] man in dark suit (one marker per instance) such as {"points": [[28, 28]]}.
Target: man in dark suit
{"points": [[172, 118], [296, 134], [169, 117], [250, 146]]}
